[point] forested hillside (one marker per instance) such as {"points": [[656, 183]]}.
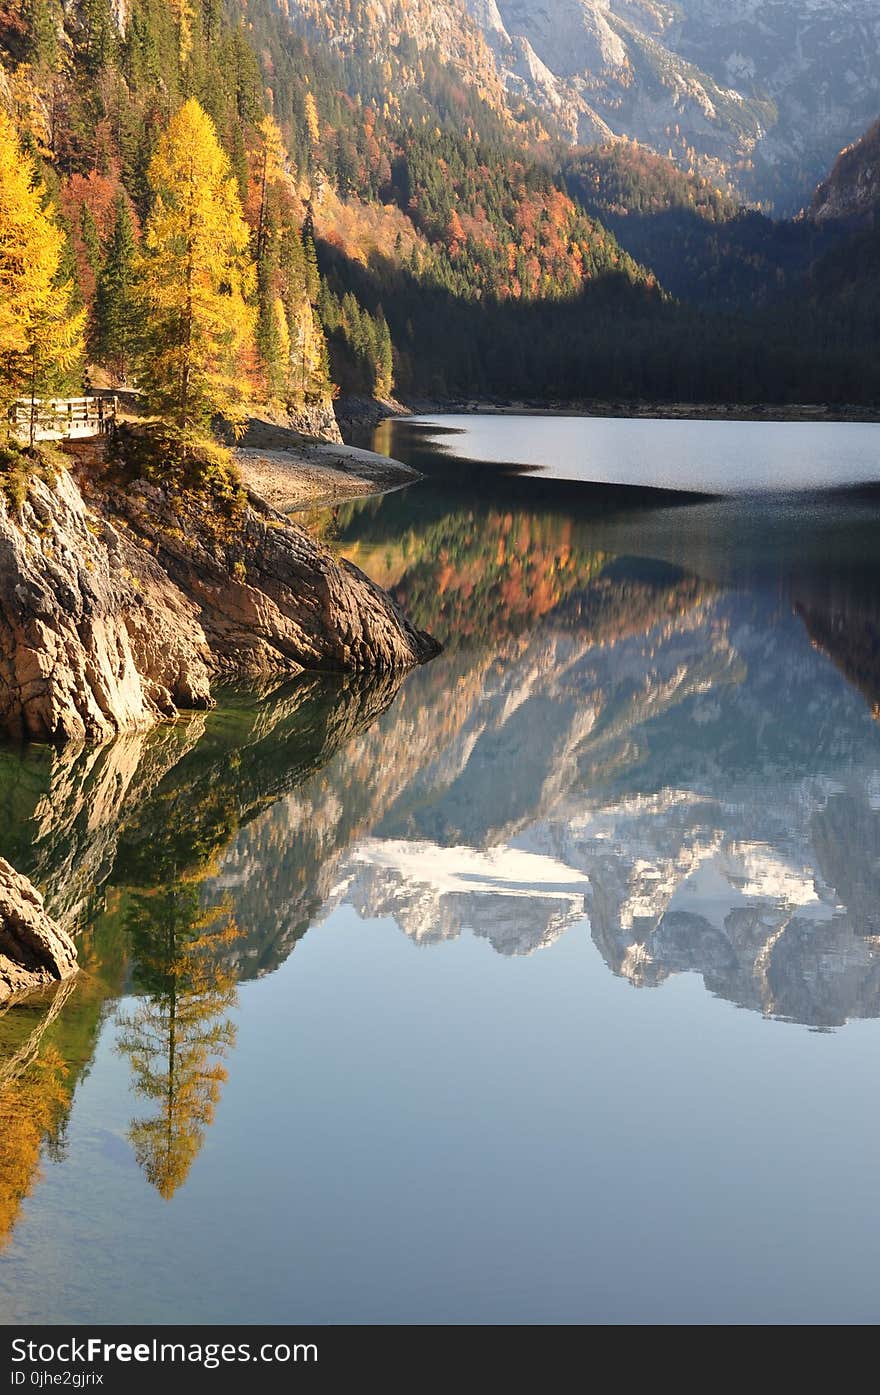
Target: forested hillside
{"points": [[704, 247]]}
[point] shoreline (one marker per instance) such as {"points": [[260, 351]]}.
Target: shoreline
{"points": [[359, 417], [292, 472]]}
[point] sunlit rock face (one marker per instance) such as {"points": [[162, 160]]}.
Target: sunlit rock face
{"points": [[852, 190], [759, 95], [119, 608], [762, 93]]}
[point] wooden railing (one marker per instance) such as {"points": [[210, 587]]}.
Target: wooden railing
{"points": [[62, 418]]}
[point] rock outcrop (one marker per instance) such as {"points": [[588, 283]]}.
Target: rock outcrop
{"points": [[318, 420], [34, 951], [120, 607]]}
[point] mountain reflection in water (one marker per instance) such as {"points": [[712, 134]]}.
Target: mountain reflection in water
{"points": [[678, 760]]}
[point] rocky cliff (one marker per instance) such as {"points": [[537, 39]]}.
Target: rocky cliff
{"points": [[120, 606]]}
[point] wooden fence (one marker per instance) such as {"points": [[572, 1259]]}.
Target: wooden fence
{"points": [[62, 418]]}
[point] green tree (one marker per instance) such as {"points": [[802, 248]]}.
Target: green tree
{"points": [[100, 46], [91, 239], [115, 315], [42, 20]]}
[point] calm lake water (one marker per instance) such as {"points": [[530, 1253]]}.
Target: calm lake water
{"points": [[724, 457], [540, 986]]}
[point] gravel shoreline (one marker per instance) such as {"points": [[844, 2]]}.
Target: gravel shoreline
{"points": [[292, 473]]}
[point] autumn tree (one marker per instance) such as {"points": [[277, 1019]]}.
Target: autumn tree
{"points": [[184, 15], [115, 314], [35, 1095], [313, 125], [271, 157], [195, 278], [40, 334]]}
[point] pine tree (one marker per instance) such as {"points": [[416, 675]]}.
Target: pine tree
{"points": [[40, 333], [115, 315], [384, 359], [273, 326], [195, 278], [42, 19], [91, 239], [313, 275], [100, 46], [273, 345]]}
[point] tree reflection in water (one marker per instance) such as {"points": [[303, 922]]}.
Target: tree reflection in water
{"points": [[178, 1035]]}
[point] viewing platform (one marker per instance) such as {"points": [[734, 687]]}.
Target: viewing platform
{"points": [[63, 418]]}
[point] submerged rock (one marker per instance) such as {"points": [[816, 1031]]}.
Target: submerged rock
{"points": [[34, 950], [121, 607]]}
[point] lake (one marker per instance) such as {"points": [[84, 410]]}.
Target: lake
{"points": [[541, 985]]}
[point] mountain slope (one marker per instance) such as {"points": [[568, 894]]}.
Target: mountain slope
{"points": [[759, 92], [852, 190], [704, 247]]}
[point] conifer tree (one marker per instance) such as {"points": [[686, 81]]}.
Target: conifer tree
{"points": [[115, 313], [384, 372], [101, 37], [41, 22], [40, 333], [195, 278], [91, 238], [179, 1033]]}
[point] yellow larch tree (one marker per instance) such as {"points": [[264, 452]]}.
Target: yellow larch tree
{"points": [[313, 125], [272, 157], [196, 279], [40, 335]]}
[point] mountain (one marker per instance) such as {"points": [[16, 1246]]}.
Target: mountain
{"points": [[759, 94], [703, 245], [399, 34], [852, 190]]}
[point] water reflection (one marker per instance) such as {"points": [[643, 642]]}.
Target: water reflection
{"points": [[125, 840], [33, 1097], [178, 1035], [679, 760]]}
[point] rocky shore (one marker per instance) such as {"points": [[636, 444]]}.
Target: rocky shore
{"points": [[121, 605]]}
